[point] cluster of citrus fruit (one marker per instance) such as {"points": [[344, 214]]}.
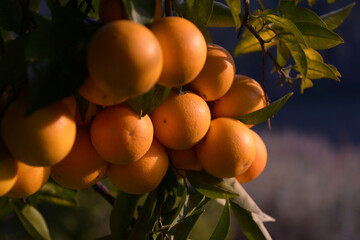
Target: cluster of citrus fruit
{"points": [[192, 129]]}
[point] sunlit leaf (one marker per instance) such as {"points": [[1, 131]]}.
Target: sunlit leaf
{"points": [[221, 16], [249, 43], [317, 70], [283, 54], [235, 8], [222, 228], [318, 37], [263, 114], [122, 214], [140, 11], [93, 12], [32, 220], [147, 102], [312, 54], [56, 194], [335, 18], [305, 83], [210, 186]]}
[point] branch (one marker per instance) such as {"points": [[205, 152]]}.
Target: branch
{"points": [[168, 10], [104, 192]]}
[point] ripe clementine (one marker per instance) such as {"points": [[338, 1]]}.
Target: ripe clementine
{"points": [[120, 136], [143, 175], [217, 76], [183, 47], [181, 121], [227, 150], [184, 159], [8, 171], [82, 167], [259, 163], [124, 59]]}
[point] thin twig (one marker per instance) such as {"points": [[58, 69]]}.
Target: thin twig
{"points": [[104, 192], [168, 10]]}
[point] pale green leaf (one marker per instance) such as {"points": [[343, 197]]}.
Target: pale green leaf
{"points": [[32, 220], [222, 228], [305, 83], [249, 43], [283, 54], [313, 55], [235, 8], [318, 37], [221, 16], [335, 18]]}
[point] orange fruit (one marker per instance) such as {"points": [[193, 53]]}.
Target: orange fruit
{"points": [[143, 175], [184, 50], [71, 104], [228, 149], [91, 112], [30, 180], [82, 167], [111, 10], [259, 163], [181, 121], [120, 136], [184, 159], [244, 96], [217, 76], [8, 171], [124, 59], [44, 138]]}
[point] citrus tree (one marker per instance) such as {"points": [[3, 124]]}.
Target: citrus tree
{"points": [[132, 98]]}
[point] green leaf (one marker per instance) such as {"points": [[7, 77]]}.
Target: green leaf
{"points": [[56, 194], [289, 2], [335, 18], [196, 201], [263, 114], [122, 214], [94, 11], [313, 55], [283, 54], [210, 186], [222, 228], [6, 207], [56, 55], [221, 16], [140, 11], [305, 83], [249, 43], [197, 11], [10, 15], [12, 62], [147, 102], [235, 8], [317, 70], [182, 230], [298, 14], [311, 2], [32, 220], [318, 37]]}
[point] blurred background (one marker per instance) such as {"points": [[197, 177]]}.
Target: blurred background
{"points": [[311, 184]]}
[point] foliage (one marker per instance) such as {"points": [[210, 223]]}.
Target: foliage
{"points": [[49, 55]]}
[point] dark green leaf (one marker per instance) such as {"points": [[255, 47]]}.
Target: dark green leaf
{"points": [[182, 230], [210, 186], [195, 202], [32, 220], [34, 5], [6, 208], [283, 54], [147, 102], [197, 11], [56, 55], [289, 2], [222, 228], [122, 214], [263, 114], [12, 63], [10, 15], [140, 11], [335, 18], [235, 8], [318, 37], [56, 194], [206, 35], [221, 16]]}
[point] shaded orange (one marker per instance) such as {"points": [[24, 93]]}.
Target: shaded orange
{"points": [[143, 175], [181, 121], [8, 171], [184, 159], [120, 136], [217, 76], [82, 167], [30, 180], [124, 59], [71, 104], [183, 47], [259, 163], [228, 148]]}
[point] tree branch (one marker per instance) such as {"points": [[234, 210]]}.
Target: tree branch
{"points": [[104, 192]]}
